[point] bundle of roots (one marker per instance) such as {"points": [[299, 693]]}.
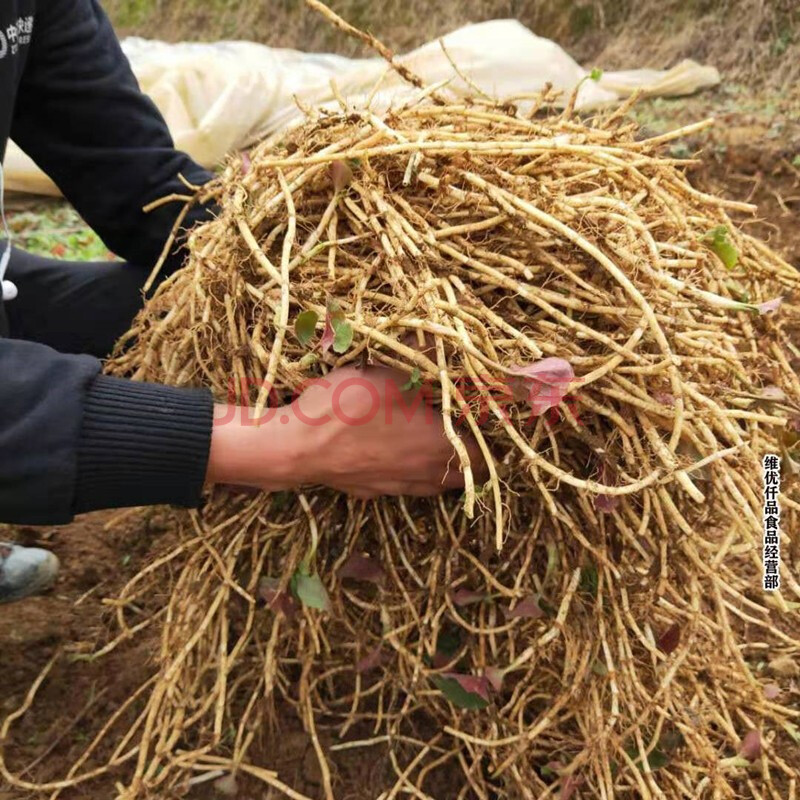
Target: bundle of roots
{"points": [[592, 620]]}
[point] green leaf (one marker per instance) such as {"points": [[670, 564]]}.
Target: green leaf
{"points": [[549, 609], [414, 382], [680, 150], [656, 759], [670, 740], [305, 326], [342, 336], [596, 74], [719, 242], [633, 752], [310, 592], [448, 642], [308, 360], [728, 254], [280, 500], [589, 580], [547, 772], [457, 695], [599, 668], [739, 292], [552, 562], [796, 161], [483, 491]]}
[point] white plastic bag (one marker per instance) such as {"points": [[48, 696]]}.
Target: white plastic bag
{"points": [[218, 97]]}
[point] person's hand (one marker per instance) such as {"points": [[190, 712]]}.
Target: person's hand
{"points": [[355, 430]]}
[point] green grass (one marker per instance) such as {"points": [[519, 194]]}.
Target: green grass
{"points": [[53, 228]]}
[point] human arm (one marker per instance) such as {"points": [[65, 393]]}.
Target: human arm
{"points": [[72, 440], [355, 430], [81, 116]]}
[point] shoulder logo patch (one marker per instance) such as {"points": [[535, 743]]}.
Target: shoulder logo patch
{"points": [[15, 35]]}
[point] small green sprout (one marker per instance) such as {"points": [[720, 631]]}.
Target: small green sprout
{"points": [[717, 238], [309, 590], [589, 580], [338, 331], [342, 336], [414, 382]]}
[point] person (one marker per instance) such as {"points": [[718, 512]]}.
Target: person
{"points": [[74, 440]]}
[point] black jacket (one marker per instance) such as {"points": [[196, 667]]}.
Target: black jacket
{"points": [[71, 439]]}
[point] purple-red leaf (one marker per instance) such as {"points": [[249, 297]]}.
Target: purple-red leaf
{"points": [[771, 691], [791, 434], [665, 398], [770, 306], [227, 786], [328, 334], [669, 640], [495, 677], [268, 589], [474, 684], [543, 384], [279, 601], [751, 746], [341, 174], [375, 658], [569, 786], [441, 659], [527, 608], [606, 503], [548, 370], [252, 491], [362, 568], [338, 333], [463, 691], [773, 393], [246, 163], [466, 597]]}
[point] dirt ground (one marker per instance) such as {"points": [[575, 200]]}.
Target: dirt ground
{"points": [[752, 153]]}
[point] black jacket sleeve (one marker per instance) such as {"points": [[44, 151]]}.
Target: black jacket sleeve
{"points": [[82, 118], [72, 440]]}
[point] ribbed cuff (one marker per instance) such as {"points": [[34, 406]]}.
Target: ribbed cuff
{"points": [[142, 444]]}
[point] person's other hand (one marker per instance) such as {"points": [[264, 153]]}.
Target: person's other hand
{"points": [[355, 430]]}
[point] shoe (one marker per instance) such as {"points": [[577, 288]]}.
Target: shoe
{"points": [[25, 571]]}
